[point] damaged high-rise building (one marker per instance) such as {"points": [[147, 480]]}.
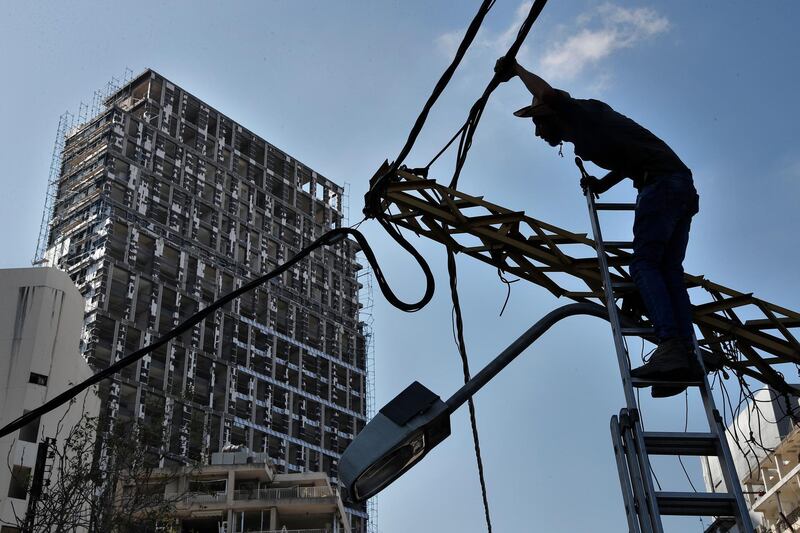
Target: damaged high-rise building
{"points": [[163, 204]]}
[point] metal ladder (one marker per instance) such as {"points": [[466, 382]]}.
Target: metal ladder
{"points": [[644, 506]]}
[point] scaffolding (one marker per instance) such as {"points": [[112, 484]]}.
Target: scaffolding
{"points": [[68, 124], [346, 204], [366, 303], [65, 123]]}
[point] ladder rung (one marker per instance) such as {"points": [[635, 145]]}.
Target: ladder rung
{"points": [[607, 206], [618, 244], [678, 443], [696, 503], [637, 332], [640, 383]]}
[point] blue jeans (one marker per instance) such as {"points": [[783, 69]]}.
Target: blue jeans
{"points": [[664, 211]]}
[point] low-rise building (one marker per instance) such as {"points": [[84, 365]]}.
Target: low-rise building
{"points": [[765, 444], [773, 490], [41, 318], [240, 492]]}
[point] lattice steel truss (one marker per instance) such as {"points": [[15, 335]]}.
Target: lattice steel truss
{"points": [[750, 335]]}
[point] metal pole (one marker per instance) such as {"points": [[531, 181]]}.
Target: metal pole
{"points": [[35, 492]]}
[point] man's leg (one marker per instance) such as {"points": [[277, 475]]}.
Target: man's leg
{"points": [[672, 271], [654, 225], [652, 228], [683, 198]]}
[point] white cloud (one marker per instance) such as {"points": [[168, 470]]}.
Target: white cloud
{"points": [[447, 43], [503, 42], [495, 43], [596, 35], [590, 39]]}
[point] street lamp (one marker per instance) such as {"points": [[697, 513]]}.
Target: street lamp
{"points": [[416, 420], [395, 439]]}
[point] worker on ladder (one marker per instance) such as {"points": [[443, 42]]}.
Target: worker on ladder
{"points": [[665, 205]]}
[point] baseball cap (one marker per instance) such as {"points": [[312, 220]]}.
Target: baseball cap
{"points": [[540, 109]]}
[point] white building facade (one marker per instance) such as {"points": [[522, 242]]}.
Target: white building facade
{"points": [[765, 443], [41, 318]]}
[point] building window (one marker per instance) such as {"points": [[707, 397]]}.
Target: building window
{"points": [[18, 487], [30, 431], [9, 529], [37, 379]]}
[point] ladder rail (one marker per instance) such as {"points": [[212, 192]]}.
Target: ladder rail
{"points": [[651, 520], [640, 476], [625, 369], [613, 315], [620, 454], [727, 466]]}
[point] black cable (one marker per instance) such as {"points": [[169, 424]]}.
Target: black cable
{"points": [[476, 111], [685, 429], [381, 179], [430, 284], [641, 421], [462, 350], [446, 146], [329, 238], [507, 283], [734, 433], [374, 206]]}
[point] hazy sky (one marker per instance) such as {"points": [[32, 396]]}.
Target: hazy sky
{"points": [[338, 85]]}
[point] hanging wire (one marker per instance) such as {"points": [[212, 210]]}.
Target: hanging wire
{"points": [[685, 429], [462, 350], [329, 238], [374, 205], [507, 283]]}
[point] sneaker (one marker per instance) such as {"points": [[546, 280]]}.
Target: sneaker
{"points": [[665, 391], [672, 361], [711, 361]]}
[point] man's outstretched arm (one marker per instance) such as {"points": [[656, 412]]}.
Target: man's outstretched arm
{"points": [[538, 87]]}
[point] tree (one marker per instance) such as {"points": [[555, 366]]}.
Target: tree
{"points": [[105, 476]]}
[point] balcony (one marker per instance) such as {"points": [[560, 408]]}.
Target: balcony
{"points": [[292, 493], [286, 531], [190, 498]]}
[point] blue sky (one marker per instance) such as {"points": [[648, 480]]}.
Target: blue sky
{"points": [[339, 84]]}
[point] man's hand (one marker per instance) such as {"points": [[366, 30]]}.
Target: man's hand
{"points": [[505, 68], [592, 185]]}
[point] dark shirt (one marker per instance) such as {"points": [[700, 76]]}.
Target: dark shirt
{"points": [[613, 141]]}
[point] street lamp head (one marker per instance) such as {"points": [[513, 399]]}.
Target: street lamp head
{"points": [[397, 438]]}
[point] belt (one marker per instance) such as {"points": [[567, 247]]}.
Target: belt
{"points": [[648, 178]]}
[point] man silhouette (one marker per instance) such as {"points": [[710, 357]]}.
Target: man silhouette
{"points": [[665, 205]]}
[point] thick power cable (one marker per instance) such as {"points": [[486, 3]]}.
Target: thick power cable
{"points": [[380, 180], [462, 350], [327, 239], [374, 198], [476, 111]]}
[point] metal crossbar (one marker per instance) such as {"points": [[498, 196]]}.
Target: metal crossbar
{"points": [[542, 253]]}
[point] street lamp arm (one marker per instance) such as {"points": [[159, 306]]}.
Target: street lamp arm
{"points": [[518, 346], [403, 432]]}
